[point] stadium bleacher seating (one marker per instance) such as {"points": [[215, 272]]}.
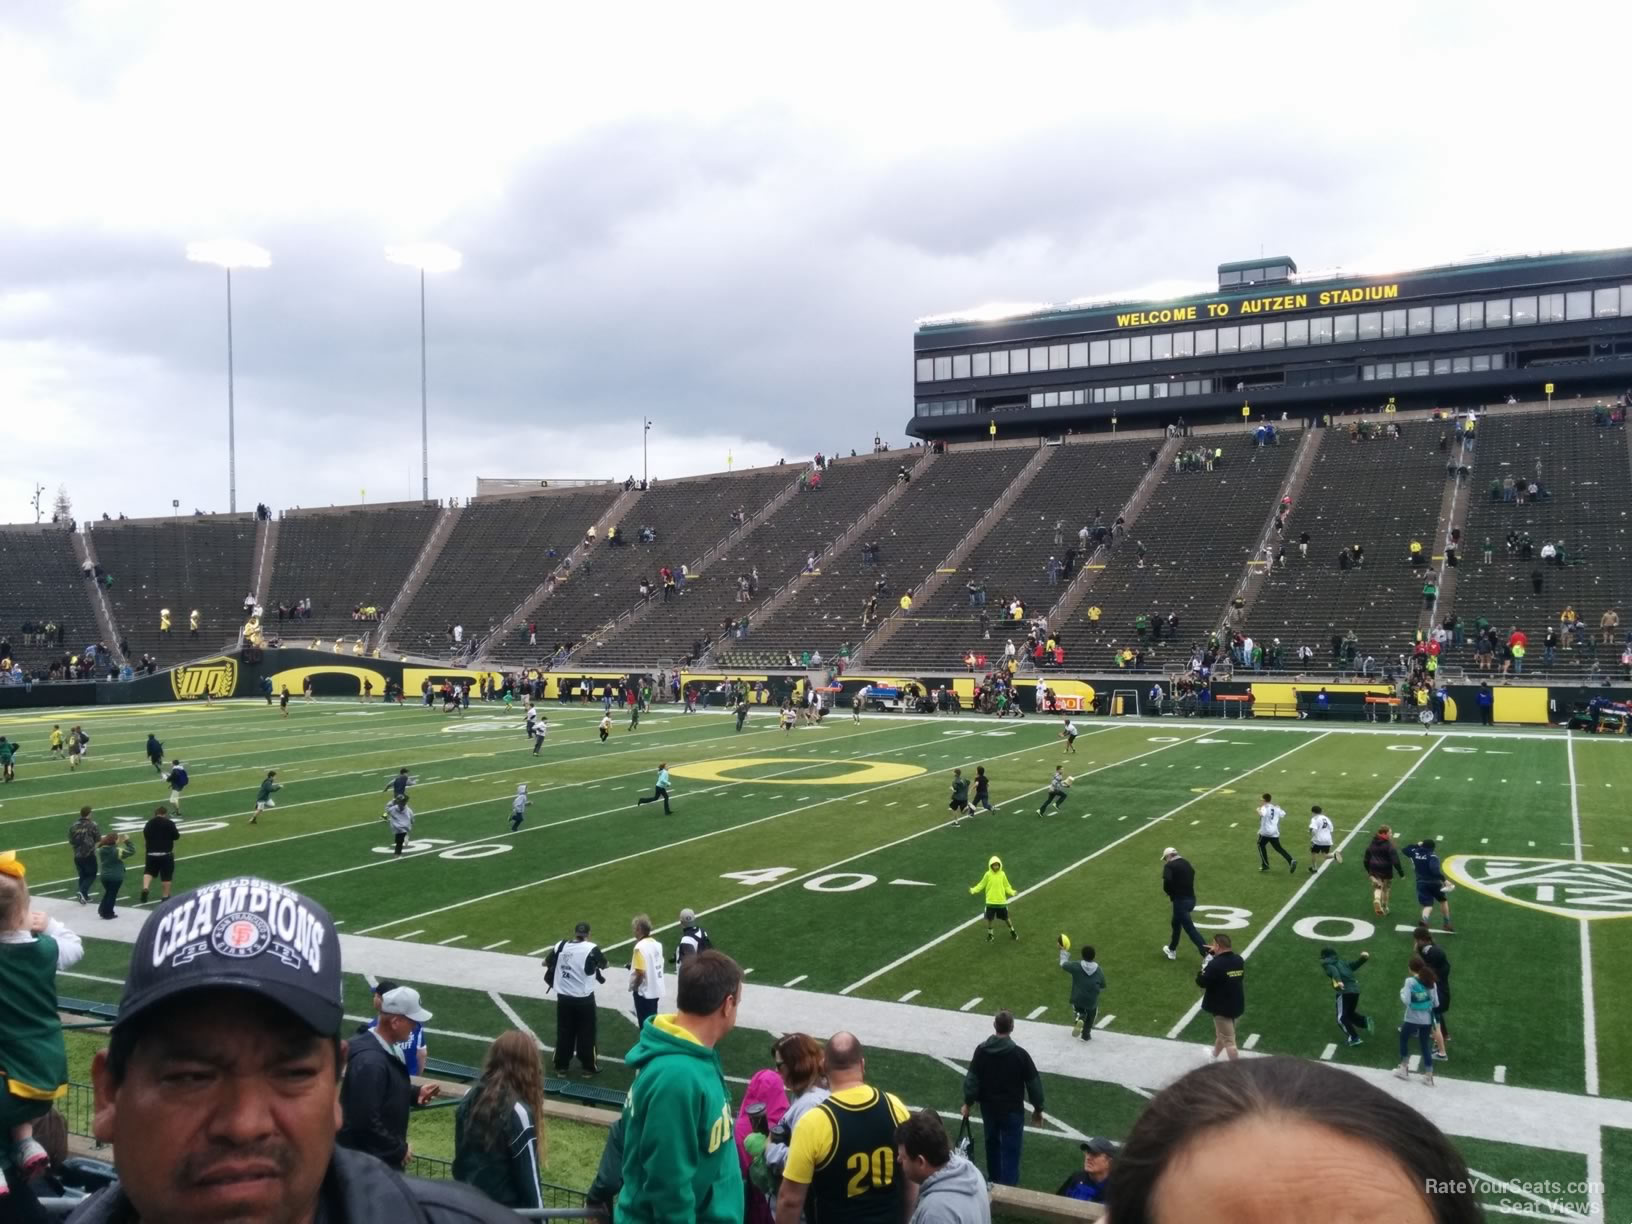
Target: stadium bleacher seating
{"points": [[342, 558], [1585, 468], [497, 554], [776, 547], [1381, 494], [43, 584], [1199, 531], [913, 536], [689, 516], [1011, 561], [206, 563]]}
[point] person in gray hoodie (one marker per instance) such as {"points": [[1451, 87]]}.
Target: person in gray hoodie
{"points": [[1087, 980], [950, 1188]]}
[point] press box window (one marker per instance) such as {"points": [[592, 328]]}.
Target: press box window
{"points": [[1018, 363], [1099, 352], [1421, 320], [1606, 303], [1445, 318], [1039, 359], [960, 365], [1274, 335], [1079, 354], [1141, 348], [1393, 324], [1206, 342], [1320, 330], [1550, 308], [1229, 339], [1057, 356], [1184, 343], [1161, 345], [1000, 362], [943, 368], [1497, 312], [1524, 311], [926, 369], [1297, 333], [1470, 316], [981, 365], [1119, 351], [1371, 325], [1578, 304], [1343, 329]]}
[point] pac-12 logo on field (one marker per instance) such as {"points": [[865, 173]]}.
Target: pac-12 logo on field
{"points": [[217, 677], [1554, 886]]}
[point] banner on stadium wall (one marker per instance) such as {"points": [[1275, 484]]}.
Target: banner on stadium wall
{"points": [[212, 677]]}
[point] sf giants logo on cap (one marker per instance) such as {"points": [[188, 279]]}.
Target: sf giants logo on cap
{"points": [[240, 920]]}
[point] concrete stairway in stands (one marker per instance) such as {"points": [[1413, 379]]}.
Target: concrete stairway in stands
{"points": [[1252, 581], [434, 544], [107, 630], [266, 553]]}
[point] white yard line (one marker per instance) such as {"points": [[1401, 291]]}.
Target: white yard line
{"points": [[411, 934], [491, 946], [1064, 871], [511, 1015], [1589, 1008], [1309, 882], [1508, 1187]]}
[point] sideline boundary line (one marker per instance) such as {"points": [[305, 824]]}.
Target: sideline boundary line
{"points": [[1589, 997]]}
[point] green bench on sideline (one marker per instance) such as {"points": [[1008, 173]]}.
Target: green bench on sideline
{"points": [[570, 1090]]}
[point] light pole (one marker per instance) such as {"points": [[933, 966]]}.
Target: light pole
{"points": [[427, 257], [227, 254], [645, 434]]}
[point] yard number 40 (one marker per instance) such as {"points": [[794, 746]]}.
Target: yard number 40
{"points": [[833, 881]]}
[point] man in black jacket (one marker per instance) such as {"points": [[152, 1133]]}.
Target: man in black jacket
{"points": [[1222, 977], [1179, 883], [217, 1088], [377, 1094], [1002, 1078]]}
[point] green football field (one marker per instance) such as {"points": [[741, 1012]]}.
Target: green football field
{"points": [[823, 861]]}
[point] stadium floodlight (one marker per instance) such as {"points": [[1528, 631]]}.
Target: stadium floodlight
{"points": [[227, 254], [427, 257]]}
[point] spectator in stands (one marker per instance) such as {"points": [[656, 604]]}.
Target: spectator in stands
{"points": [[1608, 623], [1537, 581], [377, 1094], [1195, 1139], [674, 1166], [266, 1026], [950, 1188], [498, 1136], [1089, 1183]]}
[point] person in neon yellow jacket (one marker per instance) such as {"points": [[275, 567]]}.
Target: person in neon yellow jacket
{"points": [[995, 884]]}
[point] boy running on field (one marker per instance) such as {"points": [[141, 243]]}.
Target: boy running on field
{"points": [[960, 796], [541, 729], [1068, 733], [1431, 885], [263, 797], [857, 701], [634, 716], [742, 712], [995, 886], [283, 702], [1320, 839], [788, 718], [606, 725], [56, 741], [1057, 787], [983, 798], [518, 808], [8, 752], [1341, 975], [74, 748]]}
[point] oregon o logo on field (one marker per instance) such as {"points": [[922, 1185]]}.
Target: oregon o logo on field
{"points": [[217, 677], [1553, 886], [740, 769]]}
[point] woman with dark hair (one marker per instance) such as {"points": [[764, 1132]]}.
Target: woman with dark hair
{"points": [[498, 1130], [798, 1058], [1200, 1148], [1420, 994]]}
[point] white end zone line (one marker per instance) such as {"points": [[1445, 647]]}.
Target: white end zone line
{"points": [[1309, 882], [1064, 871]]}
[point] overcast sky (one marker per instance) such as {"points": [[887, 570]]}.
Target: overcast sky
{"points": [[723, 216]]}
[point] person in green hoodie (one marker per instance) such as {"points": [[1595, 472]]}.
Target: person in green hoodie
{"points": [[1087, 980], [679, 1138], [1341, 975], [995, 886]]}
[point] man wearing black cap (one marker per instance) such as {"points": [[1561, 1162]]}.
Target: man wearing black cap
{"points": [[1087, 1184], [571, 969], [217, 1088], [378, 1094]]}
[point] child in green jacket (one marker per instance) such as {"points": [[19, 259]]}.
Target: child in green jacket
{"points": [[1087, 980], [1347, 990]]}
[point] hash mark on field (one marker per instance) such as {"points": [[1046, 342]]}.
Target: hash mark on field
{"points": [[442, 943], [411, 934], [746, 972], [861, 803], [1036, 1011], [923, 805], [1233, 823], [797, 980], [1532, 843], [1104, 1021], [547, 947], [491, 946], [1483, 841], [339, 922], [1122, 817], [1251, 1042], [1500, 1074], [892, 803], [1195, 822], [908, 997], [973, 1003], [1326, 1054]]}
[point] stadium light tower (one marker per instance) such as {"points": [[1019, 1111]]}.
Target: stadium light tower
{"points": [[427, 257], [227, 254]]}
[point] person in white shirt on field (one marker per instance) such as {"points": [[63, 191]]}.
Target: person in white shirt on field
{"points": [[1320, 839], [1068, 733], [645, 971], [1269, 834]]}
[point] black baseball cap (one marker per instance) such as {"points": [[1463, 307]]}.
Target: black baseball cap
{"points": [[1102, 1147], [240, 934], [581, 929]]}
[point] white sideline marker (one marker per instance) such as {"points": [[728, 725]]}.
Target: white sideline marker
{"points": [[796, 980], [491, 946], [1500, 1074], [746, 972], [909, 996], [442, 943], [923, 805], [892, 803], [1326, 1054], [1251, 1042], [971, 1005], [1104, 1021], [1036, 1011], [411, 934], [540, 951]]}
